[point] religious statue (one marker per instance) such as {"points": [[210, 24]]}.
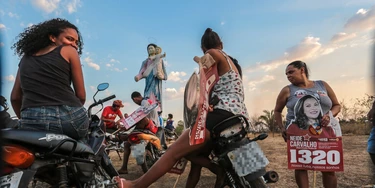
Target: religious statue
{"points": [[153, 70]]}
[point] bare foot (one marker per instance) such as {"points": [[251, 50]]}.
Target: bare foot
{"points": [[122, 183]]}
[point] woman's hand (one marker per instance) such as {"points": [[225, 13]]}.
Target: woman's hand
{"points": [[325, 120]]}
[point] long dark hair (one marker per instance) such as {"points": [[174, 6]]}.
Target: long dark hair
{"points": [[36, 37], [300, 117], [238, 66]]}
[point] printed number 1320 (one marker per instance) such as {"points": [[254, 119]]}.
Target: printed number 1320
{"points": [[318, 157]]}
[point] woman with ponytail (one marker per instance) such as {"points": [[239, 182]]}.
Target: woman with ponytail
{"points": [[231, 103]]}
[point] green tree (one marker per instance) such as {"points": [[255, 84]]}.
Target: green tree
{"points": [[180, 127], [269, 119]]}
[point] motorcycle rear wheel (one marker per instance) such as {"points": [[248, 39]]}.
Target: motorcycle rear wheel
{"points": [[149, 160]]}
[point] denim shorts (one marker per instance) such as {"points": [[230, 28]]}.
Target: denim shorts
{"points": [[71, 121], [371, 142]]}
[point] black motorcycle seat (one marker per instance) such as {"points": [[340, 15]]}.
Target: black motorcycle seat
{"points": [[43, 139]]}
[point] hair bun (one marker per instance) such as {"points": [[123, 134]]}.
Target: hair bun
{"points": [[208, 30]]}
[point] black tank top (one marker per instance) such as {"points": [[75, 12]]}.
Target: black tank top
{"points": [[45, 81]]}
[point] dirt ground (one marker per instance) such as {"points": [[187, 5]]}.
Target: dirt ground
{"points": [[356, 167]]}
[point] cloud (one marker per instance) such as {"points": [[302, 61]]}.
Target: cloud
{"points": [[10, 78], [125, 68], [252, 84], [117, 70], [172, 93], [2, 26], [90, 63], [13, 15], [222, 23], [28, 25], [114, 61], [305, 49], [72, 6], [176, 76], [93, 88], [362, 20], [109, 65], [47, 6], [340, 37]]}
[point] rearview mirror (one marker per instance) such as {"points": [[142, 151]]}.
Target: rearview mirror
{"points": [[103, 86]]}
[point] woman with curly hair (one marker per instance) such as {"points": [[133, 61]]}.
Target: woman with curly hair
{"points": [[42, 96]]}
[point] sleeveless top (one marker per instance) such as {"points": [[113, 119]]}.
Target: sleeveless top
{"points": [[318, 90], [45, 81], [229, 89]]}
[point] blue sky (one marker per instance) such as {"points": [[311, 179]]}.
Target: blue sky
{"points": [[333, 37]]}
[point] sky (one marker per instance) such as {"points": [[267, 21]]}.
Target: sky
{"points": [[333, 37]]}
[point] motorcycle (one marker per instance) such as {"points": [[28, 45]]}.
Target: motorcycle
{"points": [[241, 157], [34, 157], [145, 148], [170, 135], [114, 143]]}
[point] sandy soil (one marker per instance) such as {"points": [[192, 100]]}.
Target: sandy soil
{"points": [[356, 166]]}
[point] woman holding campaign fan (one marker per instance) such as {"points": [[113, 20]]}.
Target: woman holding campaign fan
{"points": [[229, 86], [298, 75]]}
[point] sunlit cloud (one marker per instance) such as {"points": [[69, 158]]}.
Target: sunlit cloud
{"points": [[10, 78], [362, 20], [252, 84], [340, 37], [73, 5], [176, 76], [2, 27], [47, 6], [91, 64], [172, 93]]}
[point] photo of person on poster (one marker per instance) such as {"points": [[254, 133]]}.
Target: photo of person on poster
{"points": [[308, 115]]}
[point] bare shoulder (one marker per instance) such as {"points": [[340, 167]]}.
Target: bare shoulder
{"points": [[69, 52], [285, 90]]}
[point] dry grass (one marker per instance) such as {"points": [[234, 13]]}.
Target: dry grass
{"points": [[355, 128]]}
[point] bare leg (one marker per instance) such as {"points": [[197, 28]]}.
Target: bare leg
{"points": [[329, 179], [302, 178], [194, 175], [124, 168], [178, 150]]}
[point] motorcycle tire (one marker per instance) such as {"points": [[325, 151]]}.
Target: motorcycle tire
{"points": [[149, 160], [108, 167], [271, 177], [258, 183]]}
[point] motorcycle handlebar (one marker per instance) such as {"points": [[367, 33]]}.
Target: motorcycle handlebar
{"points": [[107, 99], [101, 101]]}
